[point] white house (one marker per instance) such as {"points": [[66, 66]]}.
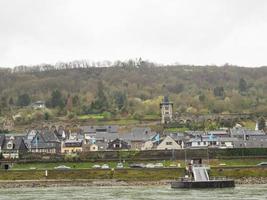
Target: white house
{"points": [[168, 143], [38, 105], [211, 142]]}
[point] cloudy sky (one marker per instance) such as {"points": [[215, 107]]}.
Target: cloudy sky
{"points": [[163, 31]]}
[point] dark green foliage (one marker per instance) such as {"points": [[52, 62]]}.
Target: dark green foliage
{"points": [[218, 91], [177, 88], [229, 123], [101, 103], [243, 86], [56, 99], [23, 100], [3, 102], [3, 131], [11, 101], [46, 116], [201, 97], [120, 100], [75, 100], [262, 124]]}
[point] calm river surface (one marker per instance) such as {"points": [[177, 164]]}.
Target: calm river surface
{"points": [[251, 192]]}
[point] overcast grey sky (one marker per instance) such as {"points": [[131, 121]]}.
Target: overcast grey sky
{"points": [[164, 31]]}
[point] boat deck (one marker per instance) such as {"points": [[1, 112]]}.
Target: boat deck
{"points": [[203, 184]]}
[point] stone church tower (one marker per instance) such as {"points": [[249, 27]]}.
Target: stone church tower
{"points": [[166, 110]]}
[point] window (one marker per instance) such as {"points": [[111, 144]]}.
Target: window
{"points": [[168, 143]]}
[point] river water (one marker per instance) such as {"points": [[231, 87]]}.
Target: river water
{"points": [[244, 192]]}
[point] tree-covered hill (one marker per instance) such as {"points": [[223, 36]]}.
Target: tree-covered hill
{"points": [[134, 88]]}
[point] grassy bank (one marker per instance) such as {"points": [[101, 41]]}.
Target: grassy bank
{"points": [[128, 174], [121, 174], [239, 172]]}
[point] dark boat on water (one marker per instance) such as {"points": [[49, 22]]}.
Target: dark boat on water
{"points": [[198, 177]]}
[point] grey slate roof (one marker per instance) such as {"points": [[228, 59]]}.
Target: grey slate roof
{"points": [[243, 131], [106, 136], [177, 136], [252, 142], [139, 130], [258, 137], [138, 136], [73, 143], [213, 139], [87, 129], [46, 140], [17, 141], [218, 132], [195, 133], [99, 129], [49, 136], [2, 139]]}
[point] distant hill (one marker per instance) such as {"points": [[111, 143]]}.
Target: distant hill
{"points": [[134, 88]]}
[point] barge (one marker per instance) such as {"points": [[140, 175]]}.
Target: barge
{"points": [[198, 177]]}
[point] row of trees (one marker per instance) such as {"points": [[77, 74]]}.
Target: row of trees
{"points": [[78, 64]]}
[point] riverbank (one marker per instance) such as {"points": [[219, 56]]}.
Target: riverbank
{"points": [[121, 177], [78, 182], [106, 183]]}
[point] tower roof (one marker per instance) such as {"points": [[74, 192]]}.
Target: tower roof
{"points": [[166, 99]]}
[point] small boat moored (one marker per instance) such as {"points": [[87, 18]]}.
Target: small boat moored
{"points": [[198, 177], [220, 183]]}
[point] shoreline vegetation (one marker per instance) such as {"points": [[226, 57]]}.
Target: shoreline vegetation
{"points": [[121, 177], [106, 183]]}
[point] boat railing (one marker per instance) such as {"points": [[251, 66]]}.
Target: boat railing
{"points": [[189, 179], [218, 178], [184, 179]]}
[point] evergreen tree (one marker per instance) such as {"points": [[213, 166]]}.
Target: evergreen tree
{"points": [[218, 91], [243, 86], [201, 97], [3, 102], [101, 103], [24, 100], [262, 124], [11, 101], [120, 100], [46, 116], [75, 100], [56, 99]]}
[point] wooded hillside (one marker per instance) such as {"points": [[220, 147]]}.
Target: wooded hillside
{"points": [[133, 88]]}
